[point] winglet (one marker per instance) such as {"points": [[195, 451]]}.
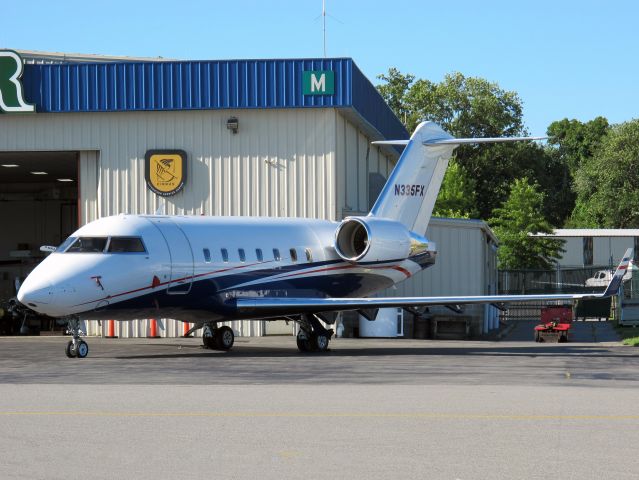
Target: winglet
{"points": [[617, 278]]}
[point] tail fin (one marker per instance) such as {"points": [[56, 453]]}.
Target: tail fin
{"points": [[617, 278], [412, 188]]}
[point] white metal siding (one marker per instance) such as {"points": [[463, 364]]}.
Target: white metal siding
{"points": [[355, 160], [281, 163], [603, 249]]}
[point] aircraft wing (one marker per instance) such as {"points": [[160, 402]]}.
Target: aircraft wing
{"points": [[285, 305]]}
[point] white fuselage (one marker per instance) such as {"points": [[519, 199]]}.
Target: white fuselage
{"points": [[191, 268]]}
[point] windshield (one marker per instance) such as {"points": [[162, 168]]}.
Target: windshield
{"points": [[88, 245], [64, 245]]}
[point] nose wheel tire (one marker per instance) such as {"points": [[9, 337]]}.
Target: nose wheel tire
{"points": [[78, 349], [82, 350], [224, 338], [70, 350]]}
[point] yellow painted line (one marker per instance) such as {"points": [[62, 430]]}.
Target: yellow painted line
{"points": [[415, 415]]}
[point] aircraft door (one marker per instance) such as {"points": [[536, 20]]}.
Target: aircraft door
{"points": [[181, 255]]}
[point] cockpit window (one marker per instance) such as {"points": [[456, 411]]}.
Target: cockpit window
{"points": [[126, 245], [88, 245], [64, 245]]}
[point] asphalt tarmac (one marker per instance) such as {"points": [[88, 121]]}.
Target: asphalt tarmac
{"points": [[367, 409]]}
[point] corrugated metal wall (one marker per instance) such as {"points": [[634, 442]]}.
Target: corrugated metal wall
{"points": [[185, 85], [602, 248], [78, 85], [356, 159], [281, 163]]}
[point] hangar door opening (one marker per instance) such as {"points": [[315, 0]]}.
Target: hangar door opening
{"points": [[38, 206]]}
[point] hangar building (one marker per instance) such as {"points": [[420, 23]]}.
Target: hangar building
{"points": [[259, 137]]}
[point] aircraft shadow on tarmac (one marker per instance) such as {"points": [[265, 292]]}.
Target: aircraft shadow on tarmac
{"points": [[279, 352]]}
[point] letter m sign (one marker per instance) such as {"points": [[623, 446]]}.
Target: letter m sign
{"points": [[11, 93], [318, 82]]}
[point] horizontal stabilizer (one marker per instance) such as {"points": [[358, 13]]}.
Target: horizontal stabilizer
{"points": [[463, 141], [390, 142], [460, 141]]}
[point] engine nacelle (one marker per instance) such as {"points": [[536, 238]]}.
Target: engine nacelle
{"points": [[370, 239]]}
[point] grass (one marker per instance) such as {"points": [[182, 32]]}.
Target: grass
{"points": [[630, 335]]}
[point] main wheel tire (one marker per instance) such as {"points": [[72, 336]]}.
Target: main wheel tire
{"points": [[69, 350], [208, 338], [224, 338], [303, 342], [82, 350], [320, 342], [536, 336], [209, 342]]}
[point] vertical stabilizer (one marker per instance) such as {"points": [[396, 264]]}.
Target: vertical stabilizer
{"points": [[412, 188]]}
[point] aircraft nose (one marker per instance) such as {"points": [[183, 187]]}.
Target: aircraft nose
{"points": [[35, 296]]}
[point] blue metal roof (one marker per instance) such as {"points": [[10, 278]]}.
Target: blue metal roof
{"points": [[196, 85]]}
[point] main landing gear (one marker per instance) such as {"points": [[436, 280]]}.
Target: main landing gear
{"points": [[221, 338], [76, 348], [313, 337]]}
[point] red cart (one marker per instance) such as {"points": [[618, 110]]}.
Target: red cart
{"points": [[555, 324]]}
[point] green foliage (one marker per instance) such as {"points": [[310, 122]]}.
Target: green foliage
{"points": [[607, 184], [520, 215], [457, 195], [394, 92], [570, 144], [574, 141], [463, 106]]}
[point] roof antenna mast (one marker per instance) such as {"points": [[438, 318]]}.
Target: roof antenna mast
{"points": [[324, 21]]}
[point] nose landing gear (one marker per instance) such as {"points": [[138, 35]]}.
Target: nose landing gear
{"points": [[76, 348]]}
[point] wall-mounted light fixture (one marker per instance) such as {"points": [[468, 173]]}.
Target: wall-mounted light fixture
{"points": [[233, 124]]}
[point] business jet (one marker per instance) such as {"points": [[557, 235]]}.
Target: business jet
{"points": [[208, 270]]}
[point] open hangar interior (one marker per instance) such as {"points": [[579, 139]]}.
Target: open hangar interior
{"points": [[38, 206], [258, 143]]}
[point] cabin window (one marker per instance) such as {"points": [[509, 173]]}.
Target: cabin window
{"points": [[293, 255], [309, 255], [207, 255], [242, 255], [225, 255], [258, 254], [276, 255], [88, 245], [126, 245]]}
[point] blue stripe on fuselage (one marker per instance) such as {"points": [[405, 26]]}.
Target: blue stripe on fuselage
{"points": [[213, 294]]}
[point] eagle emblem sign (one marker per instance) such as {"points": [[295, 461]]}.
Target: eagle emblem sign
{"points": [[165, 171]]}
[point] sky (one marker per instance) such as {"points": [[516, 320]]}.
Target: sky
{"points": [[565, 58]]}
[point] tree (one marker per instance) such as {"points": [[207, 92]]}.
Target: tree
{"points": [[457, 195], [394, 92], [607, 184], [573, 141], [570, 144], [520, 215]]}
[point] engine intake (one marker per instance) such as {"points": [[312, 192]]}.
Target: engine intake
{"points": [[369, 239]]}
